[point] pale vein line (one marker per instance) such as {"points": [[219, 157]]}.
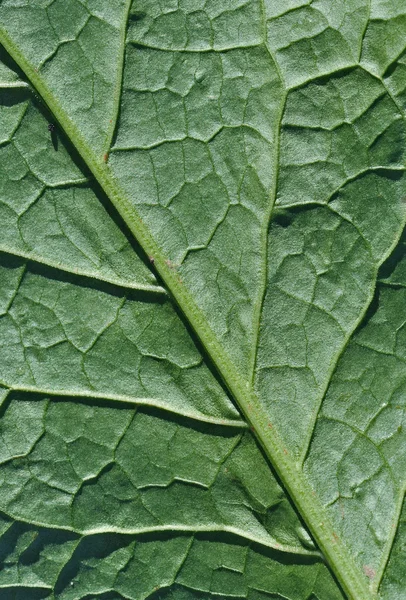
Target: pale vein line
{"points": [[267, 218], [267, 542], [364, 31], [390, 94], [76, 543], [82, 272], [185, 50], [389, 543], [341, 186], [119, 81], [135, 401], [13, 297], [183, 560], [3, 396], [26, 586], [392, 284], [13, 85], [15, 129]]}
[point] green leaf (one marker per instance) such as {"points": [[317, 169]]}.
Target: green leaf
{"points": [[231, 424]]}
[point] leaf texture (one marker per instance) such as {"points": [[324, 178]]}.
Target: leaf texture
{"points": [[232, 424]]}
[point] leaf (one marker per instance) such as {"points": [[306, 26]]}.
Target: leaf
{"points": [[252, 155]]}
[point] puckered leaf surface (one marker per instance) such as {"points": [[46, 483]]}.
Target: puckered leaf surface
{"points": [[202, 299]]}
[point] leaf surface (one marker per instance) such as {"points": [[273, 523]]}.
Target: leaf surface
{"points": [[255, 150]]}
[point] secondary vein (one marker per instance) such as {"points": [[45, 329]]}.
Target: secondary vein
{"points": [[119, 81]]}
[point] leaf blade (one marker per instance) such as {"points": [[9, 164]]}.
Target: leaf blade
{"points": [[253, 409]]}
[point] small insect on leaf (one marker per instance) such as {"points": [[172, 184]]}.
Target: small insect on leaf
{"points": [[151, 260], [106, 157], [54, 135]]}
